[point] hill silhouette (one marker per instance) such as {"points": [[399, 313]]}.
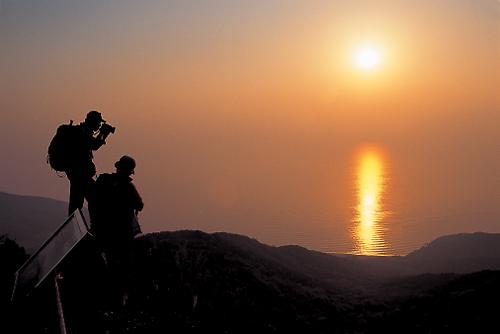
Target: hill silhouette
{"points": [[30, 219], [459, 253], [191, 282]]}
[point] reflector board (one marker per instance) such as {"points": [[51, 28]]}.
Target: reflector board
{"points": [[34, 271]]}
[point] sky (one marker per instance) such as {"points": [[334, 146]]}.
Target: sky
{"points": [[251, 116]]}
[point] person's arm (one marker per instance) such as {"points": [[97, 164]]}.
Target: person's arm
{"points": [[96, 143], [137, 202]]}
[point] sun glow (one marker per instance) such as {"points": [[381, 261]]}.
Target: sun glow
{"points": [[367, 57], [368, 232]]}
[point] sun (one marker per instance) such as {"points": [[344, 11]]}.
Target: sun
{"points": [[367, 57]]}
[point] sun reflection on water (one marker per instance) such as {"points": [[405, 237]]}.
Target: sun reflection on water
{"points": [[368, 232]]}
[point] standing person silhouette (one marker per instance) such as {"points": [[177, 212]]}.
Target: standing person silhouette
{"points": [[90, 135], [114, 222]]}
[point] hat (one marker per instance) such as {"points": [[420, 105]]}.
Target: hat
{"points": [[125, 163], [94, 115]]}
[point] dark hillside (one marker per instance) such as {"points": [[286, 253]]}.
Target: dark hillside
{"points": [[194, 282]]}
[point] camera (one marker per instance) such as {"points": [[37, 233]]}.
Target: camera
{"points": [[106, 129]]}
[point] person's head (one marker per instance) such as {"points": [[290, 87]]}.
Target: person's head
{"points": [[93, 120], [125, 165]]}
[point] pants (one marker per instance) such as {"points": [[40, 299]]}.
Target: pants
{"points": [[81, 187], [119, 253]]}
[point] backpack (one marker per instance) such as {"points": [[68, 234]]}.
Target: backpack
{"points": [[62, 147]]}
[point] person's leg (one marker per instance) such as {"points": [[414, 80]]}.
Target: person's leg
{"points": [[127, 269], [81, 187], [88, 189], [119, 253], [114, 259], [76, 191]]}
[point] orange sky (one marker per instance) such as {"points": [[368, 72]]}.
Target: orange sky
{"points": [[245, 116]]}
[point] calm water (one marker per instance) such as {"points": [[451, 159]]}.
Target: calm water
{"points": [[369, 225], [367, 213]]}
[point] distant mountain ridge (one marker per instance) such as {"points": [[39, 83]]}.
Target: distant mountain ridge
{"points": [[30, 219], [462, 245], [459, 253]]}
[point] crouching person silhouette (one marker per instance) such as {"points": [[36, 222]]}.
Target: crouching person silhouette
{"points": [[114, 223]]}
